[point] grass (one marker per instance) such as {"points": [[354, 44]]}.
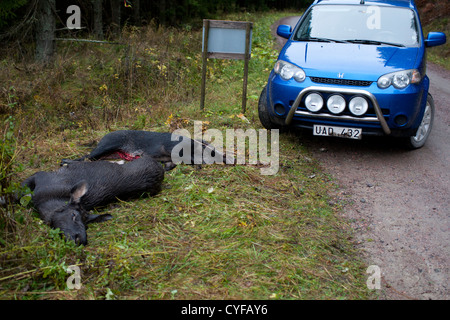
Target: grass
{"points": [[441, 54], [219, 232]]}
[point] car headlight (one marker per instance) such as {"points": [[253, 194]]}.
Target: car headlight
{"points": [[399, 79], [287, 71], [358, 106], [314, 102], [336, 103]]}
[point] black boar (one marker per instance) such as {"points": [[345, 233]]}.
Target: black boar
{"points": [[129, 144], [64, 197]]}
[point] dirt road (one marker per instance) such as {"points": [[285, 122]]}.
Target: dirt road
{"points": [[400, 207]]}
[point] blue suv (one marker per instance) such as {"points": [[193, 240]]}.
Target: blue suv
{"points": [[352, 68]]}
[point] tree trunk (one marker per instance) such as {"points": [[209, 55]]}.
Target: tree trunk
{"points": [[162, 12], [98, 19], [45, 31], [115, 16], [136, 14]]}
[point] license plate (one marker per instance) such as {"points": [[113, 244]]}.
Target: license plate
{"points": [[330, 131]]}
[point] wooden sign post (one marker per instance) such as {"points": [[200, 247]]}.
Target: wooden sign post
{"points": [[226, 40]]}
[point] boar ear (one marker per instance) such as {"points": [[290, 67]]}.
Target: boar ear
{"points": [[98, 218], [78, 191]]}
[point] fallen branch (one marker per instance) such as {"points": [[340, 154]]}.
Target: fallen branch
{"points": [[23, 273], [86, 40]]}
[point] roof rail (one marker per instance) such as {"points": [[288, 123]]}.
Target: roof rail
{"points": [[410, 2]]}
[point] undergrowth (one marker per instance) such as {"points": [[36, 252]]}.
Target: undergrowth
{"points": [[219, 232], [440, 54]]}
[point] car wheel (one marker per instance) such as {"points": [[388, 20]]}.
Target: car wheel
{"points": [[418, 140], [263, 112]]}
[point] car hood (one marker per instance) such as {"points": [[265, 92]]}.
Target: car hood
{"points": [[347, 60]]}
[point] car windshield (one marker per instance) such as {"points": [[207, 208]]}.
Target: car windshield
{"points": [[372, 25]]}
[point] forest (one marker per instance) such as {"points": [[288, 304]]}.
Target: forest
{"points": [[24, 21]]}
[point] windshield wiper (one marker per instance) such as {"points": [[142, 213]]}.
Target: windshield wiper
{"points": [[321, 40], [374, 42]]}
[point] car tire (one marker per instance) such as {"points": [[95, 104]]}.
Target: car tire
{"points": [[418, 140], [263, 112]]}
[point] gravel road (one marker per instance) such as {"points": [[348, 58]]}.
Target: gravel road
{"points": [[399, 201]]}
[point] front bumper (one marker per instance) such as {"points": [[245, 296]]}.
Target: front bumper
{"points": [[391, 111], [367, 119]]}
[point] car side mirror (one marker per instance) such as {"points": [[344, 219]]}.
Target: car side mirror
{"points": [[284, 31], [435, 39]]}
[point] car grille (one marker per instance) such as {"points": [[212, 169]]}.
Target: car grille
{"points": [[344, 82]]}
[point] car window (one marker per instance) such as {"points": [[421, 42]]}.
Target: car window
{"points": [[376, 24]]}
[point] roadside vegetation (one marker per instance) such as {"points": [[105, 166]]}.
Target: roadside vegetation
{"points": [[434, 16], [441, 54], [219, 232]]}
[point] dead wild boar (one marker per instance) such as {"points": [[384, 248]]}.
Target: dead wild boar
{"points": [[64, 197], [130, 144]]}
